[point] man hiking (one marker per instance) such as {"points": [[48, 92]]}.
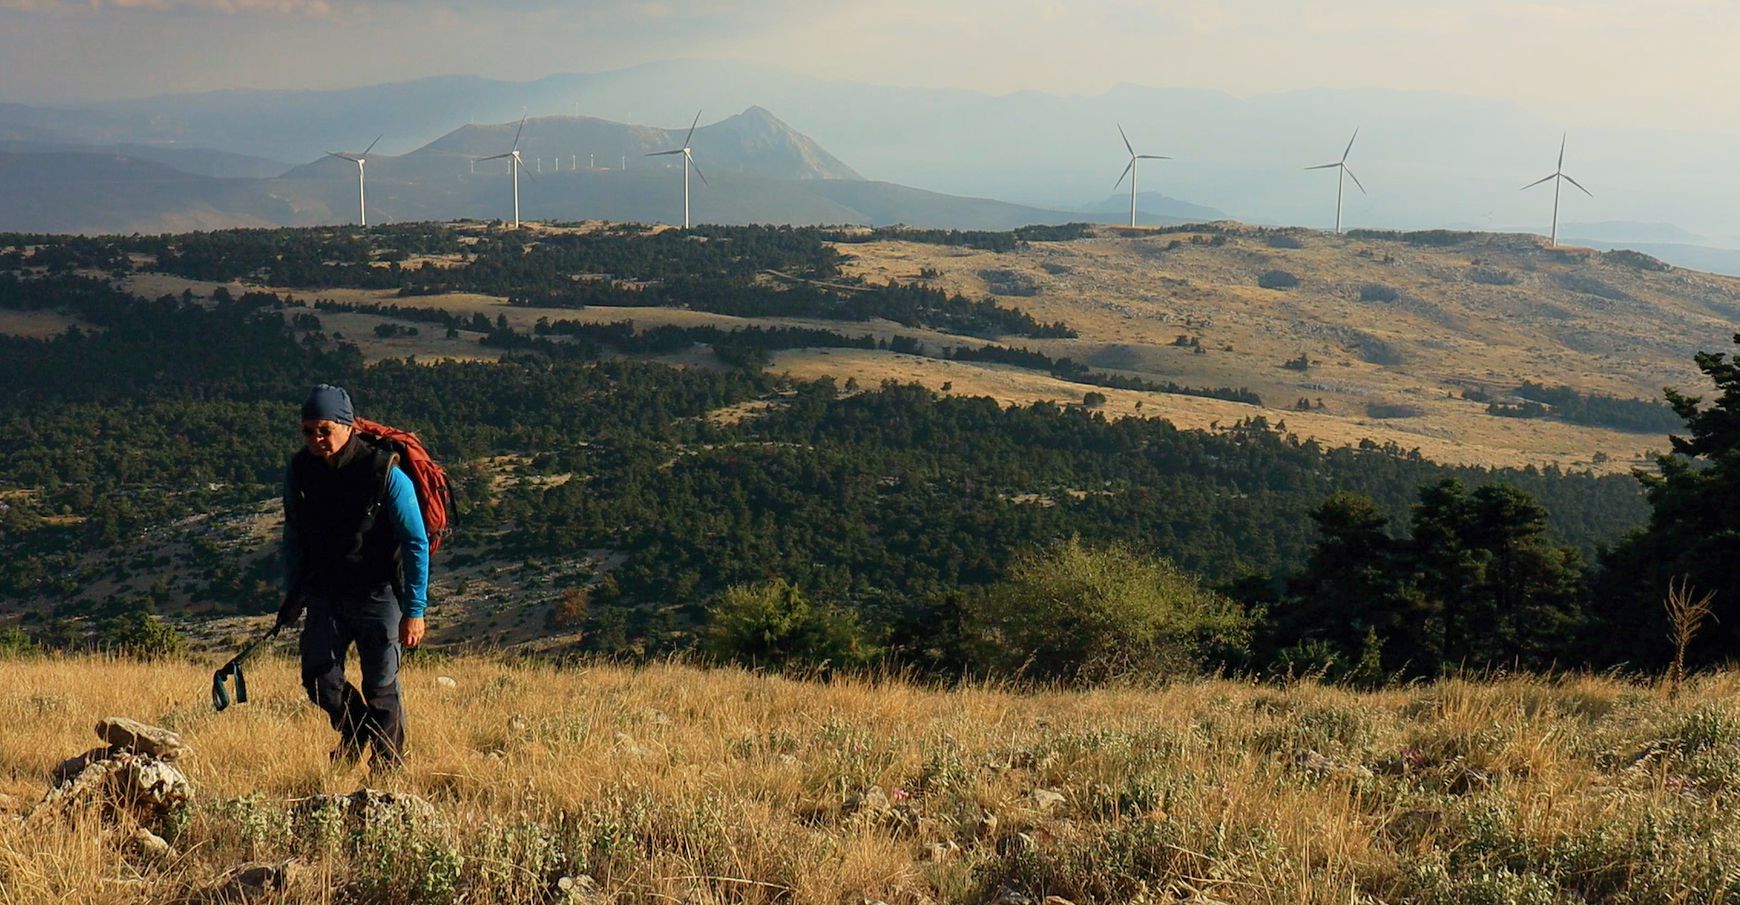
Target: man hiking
{"points": [[356, 557]]}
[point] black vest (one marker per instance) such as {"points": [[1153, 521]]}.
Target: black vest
{"points": [[347, 545]]}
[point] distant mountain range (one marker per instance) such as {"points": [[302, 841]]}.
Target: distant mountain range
{"points": [[757, 168], [1428, 160]]}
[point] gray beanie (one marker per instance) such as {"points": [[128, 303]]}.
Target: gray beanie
{"points": [[329, 403]]}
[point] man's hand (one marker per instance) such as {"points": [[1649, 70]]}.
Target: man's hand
{"points": [[411, 631], [290, 610]]}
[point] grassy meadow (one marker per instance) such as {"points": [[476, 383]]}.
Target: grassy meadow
{"points": [[669, 783]]}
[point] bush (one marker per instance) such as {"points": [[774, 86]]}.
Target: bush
{"points": [[15, 642], [1277, 279], [143, 635], [1492, 276], [1082, 613], [1283, 240], [1378, 292], [773, 624], [1093, 400], [1393, 410]]}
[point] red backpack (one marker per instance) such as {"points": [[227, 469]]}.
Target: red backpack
{"points": [[434, 496]]}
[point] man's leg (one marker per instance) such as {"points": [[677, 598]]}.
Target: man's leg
{"points": [[377, 643], [325, 641]]}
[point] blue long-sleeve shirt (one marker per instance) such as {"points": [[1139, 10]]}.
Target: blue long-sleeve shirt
{"points": [[407, 520]]}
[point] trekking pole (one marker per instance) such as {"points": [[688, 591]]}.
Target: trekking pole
{"points": [[220, 696]]}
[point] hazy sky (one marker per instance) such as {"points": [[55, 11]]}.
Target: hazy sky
{"points": [[1667, 63]]}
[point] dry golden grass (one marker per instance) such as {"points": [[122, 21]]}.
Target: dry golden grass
{"points": [[669, 783]]}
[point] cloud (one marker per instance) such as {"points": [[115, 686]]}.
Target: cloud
{"points": [[276, 7]]}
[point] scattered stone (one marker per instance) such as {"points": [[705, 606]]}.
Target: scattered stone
{"points": [[1008, 896], [73, 766], [1047, 800], [249, 883], [941, 851], [872, 800], [151, 846], [140, 784], [367, 807], [1324, 765], [577, 889], [625, 744], [446, 682], [121, 732]]}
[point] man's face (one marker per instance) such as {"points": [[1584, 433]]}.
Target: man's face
{"points": [[325, 438]]}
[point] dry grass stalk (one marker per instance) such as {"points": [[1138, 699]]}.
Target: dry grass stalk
{"points": [[1685, 617]]}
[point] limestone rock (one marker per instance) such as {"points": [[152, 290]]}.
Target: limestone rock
{"points": [[941, 851], [373, 807], [151, 846], [446, 682], [872, 800], [145, 786], [253, 882], [73, 766], [1047, 800], [1324, 765], [121, 732]]}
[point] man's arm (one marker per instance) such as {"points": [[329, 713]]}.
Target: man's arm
{"points": [[291, 548], [407, 520]]}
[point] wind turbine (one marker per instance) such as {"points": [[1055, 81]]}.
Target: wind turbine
{"points": [[688, 161], [1558, 175], [1342, 174], [1130, 171], [516, 163], [362, 203]]}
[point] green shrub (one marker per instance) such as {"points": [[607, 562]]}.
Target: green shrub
{"points": [[1277, 279], [773, 624], [1076, 612], [142, 635]]}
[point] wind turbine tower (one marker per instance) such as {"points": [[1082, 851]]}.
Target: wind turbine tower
{"points": [[1558, 177], [513, 157], [1341, 176], [688, 161], [1130, 171], [362, 200]]}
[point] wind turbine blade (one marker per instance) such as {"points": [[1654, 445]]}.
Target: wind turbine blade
{"points": [[1153, 157], [692, 130], [1562, 151], [1578, 185], [1126, 139], [1355, 179], [1127, 168], [517, 132], [1537, 182], [493, 157], [698, 171], [1350, 145], [372, 144], [664, 153], [341, 156], [1324, 166]]}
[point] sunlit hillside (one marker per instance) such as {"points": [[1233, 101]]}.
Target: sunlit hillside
{"points": [[1404, 339], [672, 783]]}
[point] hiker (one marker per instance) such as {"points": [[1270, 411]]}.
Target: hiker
{"points": [[356, 557]]}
